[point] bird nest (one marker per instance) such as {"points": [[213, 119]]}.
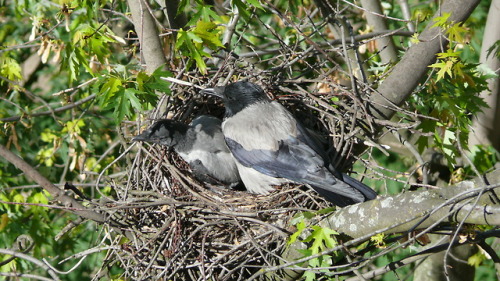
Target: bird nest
{"points": [[191, 230], [183, 229]]}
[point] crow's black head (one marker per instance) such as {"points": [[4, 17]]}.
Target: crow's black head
{"points": [[164, 132], [238, 95]]}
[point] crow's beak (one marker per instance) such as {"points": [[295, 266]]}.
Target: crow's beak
{"points": [[217, 91], [141, 137]]}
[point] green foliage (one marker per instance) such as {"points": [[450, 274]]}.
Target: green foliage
{"points": [[191, 42], [127, 93], [450, 103], [77, 40], [477, 259], [448, 63], [494, 50], [318, 240], [73, 45], [483, 158], [451, 99], [378, 240], [204, 30], [10, 69]]}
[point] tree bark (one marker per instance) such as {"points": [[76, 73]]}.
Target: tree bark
{"points": [[413, 210], [425, 207], [145, 27], [374, 18], [485, 124]]}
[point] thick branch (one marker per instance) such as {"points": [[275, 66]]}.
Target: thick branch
{"points": [[486, 122], [418, 209], [413, 210], [146, 29], [406, 75], [384, 44]]}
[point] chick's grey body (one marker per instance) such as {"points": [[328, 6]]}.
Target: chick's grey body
{"points": [[201, 144], [272, 147]]}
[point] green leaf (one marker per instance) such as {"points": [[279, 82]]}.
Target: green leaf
{"points": [[10, 69], [243, 9], [130, 94], [182, 6], [495, 50], [300, 227], [443, 67], [73, 127], [48, 136], [46, 156], [483, 157], [309, 275], [476, 259], [448, 54], [194, 37], [108, 90], [4, 221], [441, 21], [156, 79], [422, 14], [322, 237], [326, 210], [204, 13], [208, 33], [456, 33], [255, 3], [378, 239], [122, 106]]}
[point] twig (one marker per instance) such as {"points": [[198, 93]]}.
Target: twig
{"points": [[69, 203], [30, 259], [56, 110]]}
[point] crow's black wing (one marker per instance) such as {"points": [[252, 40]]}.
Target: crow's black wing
{"points": [[296, 161], [304, 136]]}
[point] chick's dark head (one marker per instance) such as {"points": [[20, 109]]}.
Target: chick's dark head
{"points": [[164, 132]]}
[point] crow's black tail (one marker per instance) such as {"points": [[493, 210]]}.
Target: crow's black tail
{"points": [[363, 188]]}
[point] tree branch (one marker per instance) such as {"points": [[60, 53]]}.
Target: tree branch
{"points": [[149, 38], [399, 84], [486, 122], [418, 210], [414, 209], [30, 259], [424, 254], [49, 112], [385, 45], [70, 203]]}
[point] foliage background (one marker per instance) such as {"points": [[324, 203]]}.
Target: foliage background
{"points": [[75, 89]]}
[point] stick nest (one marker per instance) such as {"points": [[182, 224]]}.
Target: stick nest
{"points": [[183, 229]]}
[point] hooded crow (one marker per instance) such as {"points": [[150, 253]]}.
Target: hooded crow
{"points": [[201, 144], [271, 147]]}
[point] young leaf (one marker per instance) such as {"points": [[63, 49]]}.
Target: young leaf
{"points": [[441, 21], [300, 227], [322, 237]]}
